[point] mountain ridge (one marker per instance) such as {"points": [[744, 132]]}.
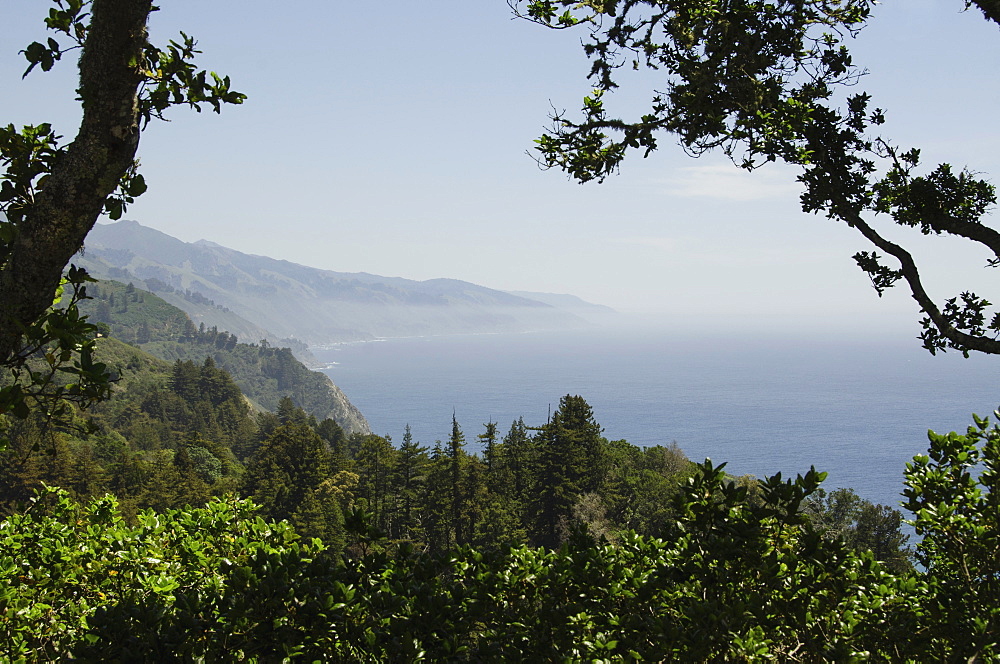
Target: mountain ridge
{"points": [[284, 300]]}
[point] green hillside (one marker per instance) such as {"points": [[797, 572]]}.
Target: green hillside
{"points": [[264, 373]]}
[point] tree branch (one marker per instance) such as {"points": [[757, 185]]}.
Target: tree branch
{"points": [[980, 233], [909, 271], [83, 175], [990, 8]]}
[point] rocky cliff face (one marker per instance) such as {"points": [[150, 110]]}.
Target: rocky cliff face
{"points": [[346, 413]]}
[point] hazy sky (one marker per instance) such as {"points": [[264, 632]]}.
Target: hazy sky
{"points": [[391, 138]]}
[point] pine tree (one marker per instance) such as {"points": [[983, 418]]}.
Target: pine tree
{"points": [[286, 477], [334, 436], [190, 488], [516, 464], [489, 439], [374, 465], [437, 502], [184, 379], [456, 454], [408, 481], [289, 413], [89, 479], [570, 464], [161, 487]]}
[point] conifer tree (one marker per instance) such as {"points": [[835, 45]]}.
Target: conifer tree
{"points": [[375, 465], [437, 501], [289, 413], [334, 436], [408, 481], [456, 454], [285, 478], [89, 477], [489, 440], [516, 465], [190, 488], [569, 465], [162, 489]]}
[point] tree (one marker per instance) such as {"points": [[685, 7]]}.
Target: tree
{"points": [[437, 502], [569, 465], [51, 194], [489, 441], [862, 525], [456, 462], [375, 464], [767, 81], [288, 477], [515, 471], [952, 492], [408, 478]]}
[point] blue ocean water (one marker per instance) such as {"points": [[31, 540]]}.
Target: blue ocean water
{"points": [[858, 410]]}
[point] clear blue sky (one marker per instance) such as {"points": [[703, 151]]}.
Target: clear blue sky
{"points": [[391, 138]]}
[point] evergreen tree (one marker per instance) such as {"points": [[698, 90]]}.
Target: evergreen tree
{"points": [[438, 502], [286, 477], [408, 483], [163, 488], [184, 380], [375, 465], [456, 454], [489, 439], [190, 488], [334, 436], [516, 464], [570, 464], [216, 385], [288, 412], [89, 478]]}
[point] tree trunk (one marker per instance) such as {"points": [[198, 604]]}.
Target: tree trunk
{"points": [[87, 171]]}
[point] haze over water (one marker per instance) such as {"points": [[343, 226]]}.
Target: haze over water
{"points": [[858, 410]]}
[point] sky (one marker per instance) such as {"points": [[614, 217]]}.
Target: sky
{"points": [[393, 138]]}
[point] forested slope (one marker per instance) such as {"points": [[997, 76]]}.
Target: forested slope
{"points": [[555, 542], [264, 373], [743, 571]]}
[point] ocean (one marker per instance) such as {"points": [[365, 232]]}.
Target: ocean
{"points": [[858, 410]]}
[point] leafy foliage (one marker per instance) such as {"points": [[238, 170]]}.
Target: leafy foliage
{"points": [[77, 581], [51, 193], [54, 366], [766, 81], [747, 576], [952, 493]]}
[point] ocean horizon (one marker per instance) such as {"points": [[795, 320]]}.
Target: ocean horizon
{"points": [[857, 409]]}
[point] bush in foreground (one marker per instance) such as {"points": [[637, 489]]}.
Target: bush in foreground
{"points": [[748, 578]]}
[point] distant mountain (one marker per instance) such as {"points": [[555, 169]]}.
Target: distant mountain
{"points": [[256, 297], [570, 303]]}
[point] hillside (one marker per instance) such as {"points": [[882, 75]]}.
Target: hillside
{"points": [[263, 372], [258, 297]]}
